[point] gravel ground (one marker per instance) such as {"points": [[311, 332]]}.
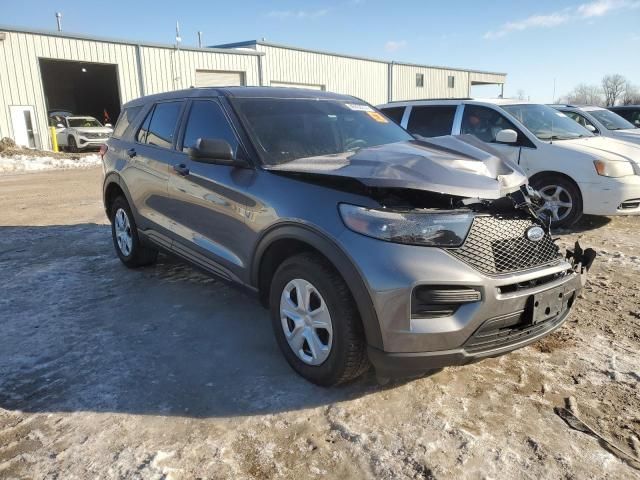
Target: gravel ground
{"points": [[164, 373]]}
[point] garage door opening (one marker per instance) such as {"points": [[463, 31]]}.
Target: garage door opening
{"points": [[81, 88]]}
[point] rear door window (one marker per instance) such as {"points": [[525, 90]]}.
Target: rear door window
{"points": [[432, 121], [207, 120], [394, 113], [159, 128], [126, 117]]}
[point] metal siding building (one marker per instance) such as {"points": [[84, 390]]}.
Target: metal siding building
{"points": [[143, 68]]}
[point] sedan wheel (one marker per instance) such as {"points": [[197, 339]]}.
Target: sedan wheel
{"points": [[557, 202]]}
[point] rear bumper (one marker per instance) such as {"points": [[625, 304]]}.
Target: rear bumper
{"points": [[389, 364]]}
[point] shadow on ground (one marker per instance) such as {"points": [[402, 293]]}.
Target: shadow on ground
{"points": [[585, 224], [80, 332]]}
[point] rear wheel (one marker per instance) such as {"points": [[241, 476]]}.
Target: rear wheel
{"points": [[125, 237], [562, 200], [316, 322]]}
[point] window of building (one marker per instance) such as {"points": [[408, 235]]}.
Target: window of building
{"points": [[451, 81], [432, 121], [419, 79], [207, 120]]}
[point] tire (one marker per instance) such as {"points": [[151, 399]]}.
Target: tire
{"points": [[72, 145], [563, 201], [346, 358], [125, 237]]}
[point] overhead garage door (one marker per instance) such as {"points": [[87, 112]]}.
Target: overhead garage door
{"points": [[298, 85], [216, 78]]}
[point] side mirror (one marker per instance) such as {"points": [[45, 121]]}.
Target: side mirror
{"points": [[108, 125], [210, 150], [507, 136], [591, 128], [59, 125], [637, 123]]}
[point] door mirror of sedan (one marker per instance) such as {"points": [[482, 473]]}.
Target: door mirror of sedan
{"points": [[637, 122], [507, 136], [59, 125], [213, 150], [591, 128], [108, 125]]}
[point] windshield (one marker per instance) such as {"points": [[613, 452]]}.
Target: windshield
{"points": [[289, 129], [610, 120], [546, 123], [83, 122]]}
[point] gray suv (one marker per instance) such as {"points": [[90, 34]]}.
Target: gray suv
{"points": [[368, 246]]}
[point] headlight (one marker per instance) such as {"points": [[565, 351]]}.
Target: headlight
{"points": [[446, 229], [613, 168]]}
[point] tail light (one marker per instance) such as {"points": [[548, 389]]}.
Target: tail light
{"points": [[103, 150]]}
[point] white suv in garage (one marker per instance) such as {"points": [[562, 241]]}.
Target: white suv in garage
{"points": [[575, 171], [76, 133], [602, 122]]}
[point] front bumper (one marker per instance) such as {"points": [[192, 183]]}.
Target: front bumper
{"points": [[612, 196], [84, 142], [499, 322]]}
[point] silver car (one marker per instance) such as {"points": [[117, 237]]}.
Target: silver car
{"points": [[368, 246], [75, 133]]}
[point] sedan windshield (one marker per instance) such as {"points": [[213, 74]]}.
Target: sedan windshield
{"points": [[611, 121], [83, 122], [289, 129], [546, 123]]}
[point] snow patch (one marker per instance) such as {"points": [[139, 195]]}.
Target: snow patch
{"points": [[29, 163]]}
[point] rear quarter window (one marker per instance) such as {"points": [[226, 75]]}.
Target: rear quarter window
{"points": [[125, 119], [432, 121], [394, 113]]}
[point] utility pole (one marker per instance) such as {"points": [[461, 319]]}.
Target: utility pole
{"points": [[59, 21], [199, 39]]}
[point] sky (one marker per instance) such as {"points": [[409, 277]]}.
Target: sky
{"points": [[538, 44]]}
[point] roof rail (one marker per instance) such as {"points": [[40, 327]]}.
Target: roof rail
{"points": [[430, 99]]}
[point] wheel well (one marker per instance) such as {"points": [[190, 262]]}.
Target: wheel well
{"points": [[550, 173], [273, 257], [112, 192]]}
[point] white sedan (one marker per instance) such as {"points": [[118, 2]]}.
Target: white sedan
{"points": [[76, 133], [602, 122]]}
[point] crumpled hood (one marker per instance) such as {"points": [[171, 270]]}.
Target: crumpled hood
{"points": [[605, 148], [461, 166]]}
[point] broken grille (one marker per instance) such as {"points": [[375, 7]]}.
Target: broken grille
{"points": [[500, 245]]}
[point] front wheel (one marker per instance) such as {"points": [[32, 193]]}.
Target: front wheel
{"points": [[316, 322], [72, 145], [562, 200]]}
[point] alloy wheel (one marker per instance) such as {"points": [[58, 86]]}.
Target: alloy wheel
{"points": [[557, 202]]}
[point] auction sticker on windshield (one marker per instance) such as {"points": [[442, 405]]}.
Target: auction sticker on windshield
{"points": [[377, 117], [358, 107]]}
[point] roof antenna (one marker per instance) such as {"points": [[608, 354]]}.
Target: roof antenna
{"points": [[59, 21]]}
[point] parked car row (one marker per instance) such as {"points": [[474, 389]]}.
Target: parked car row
{"points": [[78, 132], [368, 245], [575, 170]]}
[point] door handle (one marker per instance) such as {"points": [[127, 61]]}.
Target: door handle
{"points": [[181, 169], [132, 152]]}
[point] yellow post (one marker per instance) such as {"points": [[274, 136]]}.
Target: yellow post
{"points": [[54, 139]]}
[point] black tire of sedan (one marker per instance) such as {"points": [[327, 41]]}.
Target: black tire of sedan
{"points": [[125, 237], [316, 322], [562, 199]]}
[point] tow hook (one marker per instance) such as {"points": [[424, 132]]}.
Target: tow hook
{"points": [[581, 260]]}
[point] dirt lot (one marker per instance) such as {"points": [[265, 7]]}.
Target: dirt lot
{"points": [[165, 373]]}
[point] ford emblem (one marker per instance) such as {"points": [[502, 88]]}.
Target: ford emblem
{"points": [[535, 234]]}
